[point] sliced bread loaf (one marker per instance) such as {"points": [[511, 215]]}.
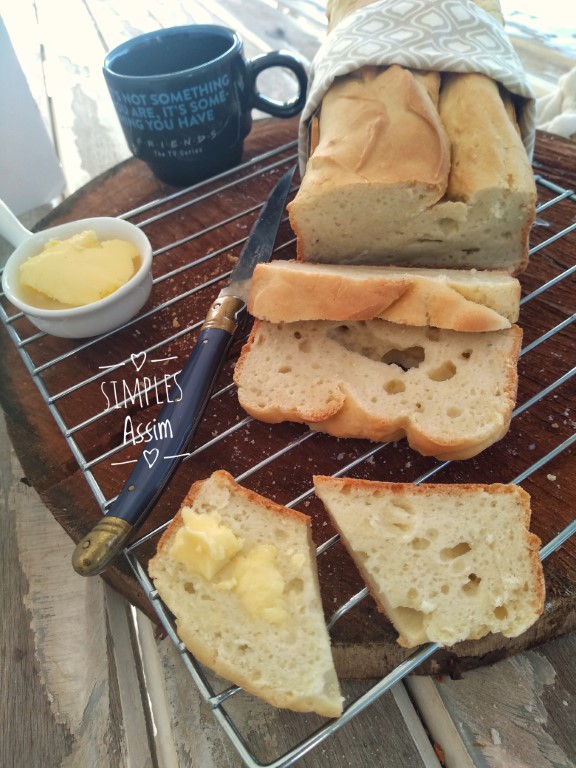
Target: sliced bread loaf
{"points": [[451, 394], [358, 204], [460, 300], [239, 573], [445, 563]]}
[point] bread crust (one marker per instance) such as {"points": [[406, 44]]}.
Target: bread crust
{"points": [[289, 291], [221, 475], [379, 127]]}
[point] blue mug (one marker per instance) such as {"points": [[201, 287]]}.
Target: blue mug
{"points": [[184, 97]]}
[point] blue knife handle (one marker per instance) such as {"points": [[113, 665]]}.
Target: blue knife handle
{"points": [[176, 425]]}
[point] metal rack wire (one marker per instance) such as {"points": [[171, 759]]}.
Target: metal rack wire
{"points": [[176, 205]]}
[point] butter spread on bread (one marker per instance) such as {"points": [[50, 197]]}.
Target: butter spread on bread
{"points": [[254, 615], [445, 563]]}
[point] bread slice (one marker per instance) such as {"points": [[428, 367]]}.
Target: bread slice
{"points": [[245, 594], [445, 563], [460, 300], [451, 394]]}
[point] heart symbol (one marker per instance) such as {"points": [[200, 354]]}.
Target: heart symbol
{"points": [[138, 360], [151, 457]]}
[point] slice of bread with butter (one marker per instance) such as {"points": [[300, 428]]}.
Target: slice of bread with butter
{"points": [[239, 573]]}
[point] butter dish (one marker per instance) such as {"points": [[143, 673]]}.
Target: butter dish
{"points": [[91, 319]]}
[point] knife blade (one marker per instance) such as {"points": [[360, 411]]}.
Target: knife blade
{"points": [[96, 550]]}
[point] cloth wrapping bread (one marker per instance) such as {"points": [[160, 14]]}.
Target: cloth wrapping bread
{"points": [[556, 112], [437, 35]]}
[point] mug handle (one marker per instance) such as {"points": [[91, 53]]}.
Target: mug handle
{"points": [[287, 61]]}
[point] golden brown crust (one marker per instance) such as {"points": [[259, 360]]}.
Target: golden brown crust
{"points": [[487, 151], [381, 127], [247, 493], [290, 291]]}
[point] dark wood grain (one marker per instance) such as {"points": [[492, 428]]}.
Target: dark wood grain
{"points": [[364, 642]]}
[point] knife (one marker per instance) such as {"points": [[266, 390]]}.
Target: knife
{"points": [[165, 451]]}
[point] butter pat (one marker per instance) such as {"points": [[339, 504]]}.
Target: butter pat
{"points": [[204, 545], [260, 585], [81, 269], [208, 548]]}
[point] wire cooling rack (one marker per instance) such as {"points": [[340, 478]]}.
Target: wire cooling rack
{"points": [[186, 276]]}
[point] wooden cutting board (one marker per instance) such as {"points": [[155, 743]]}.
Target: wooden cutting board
{"points": [[75, 376]]}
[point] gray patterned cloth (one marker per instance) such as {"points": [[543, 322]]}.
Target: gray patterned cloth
{"points": [[439, 35]]}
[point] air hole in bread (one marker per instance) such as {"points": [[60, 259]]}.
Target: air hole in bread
{"points": [[412, 594], [445, 589], [189, 587], [451, 553], [295, 586], [297, 335], [444, 372], [432, 534], [242, 648], [453, 413], [305, 346], [501, 612], [404, 527], [419, 543], [448, 226], [471, 586], [411, 357], [467, 354], [354, 340], [410, 619], [405, 506], [285, 369], [394, 387]]}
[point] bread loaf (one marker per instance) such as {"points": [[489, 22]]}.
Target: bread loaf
{"points": [[415, 169], [450, 393], [445, 563], [239, 574], [460, 300]]}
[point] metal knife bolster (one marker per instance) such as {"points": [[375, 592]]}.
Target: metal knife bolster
{"points": [[226, 311]]}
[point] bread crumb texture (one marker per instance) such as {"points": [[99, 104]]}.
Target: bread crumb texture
{"points": [[445, 563], [239, 574], [450, 393]]}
